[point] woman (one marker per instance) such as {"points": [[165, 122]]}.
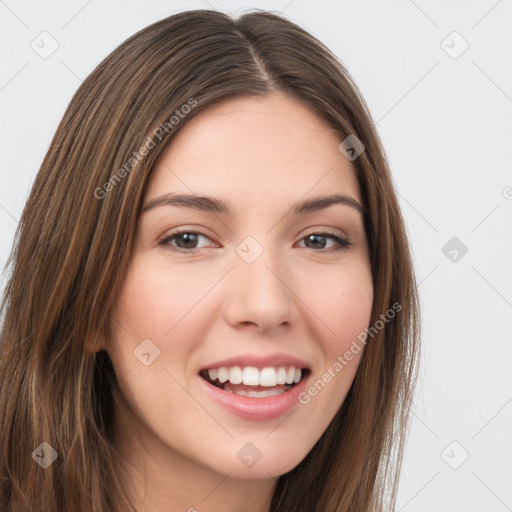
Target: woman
{"points": [[212, 304]]}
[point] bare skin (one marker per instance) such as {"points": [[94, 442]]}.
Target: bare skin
{"points": [[300, 297]]}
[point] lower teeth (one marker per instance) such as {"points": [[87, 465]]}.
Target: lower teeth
{"points": [[251, 394], [256, 394]]}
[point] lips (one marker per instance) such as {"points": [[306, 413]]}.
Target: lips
{"points": [[272, 360], [273, 371], [254, 387]]}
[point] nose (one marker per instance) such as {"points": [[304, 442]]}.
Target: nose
{"points": [[260, 293]]}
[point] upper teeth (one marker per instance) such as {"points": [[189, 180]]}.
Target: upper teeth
{"points": [[252, 376]]}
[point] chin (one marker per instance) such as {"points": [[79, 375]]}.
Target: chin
{"points": [[259, 459]]}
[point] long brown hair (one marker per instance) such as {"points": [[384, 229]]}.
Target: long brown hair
{"points": [[73, 245]]}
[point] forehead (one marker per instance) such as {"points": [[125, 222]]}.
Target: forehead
{"points": [[250, 149]]}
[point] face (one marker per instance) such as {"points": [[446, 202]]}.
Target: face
{"points": [[254, 292]]}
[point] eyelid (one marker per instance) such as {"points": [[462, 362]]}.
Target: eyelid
{"points": [[178, 231], [342, 241], [325, 231]]}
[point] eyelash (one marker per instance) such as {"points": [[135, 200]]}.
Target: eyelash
{"points": [[343, 243]]}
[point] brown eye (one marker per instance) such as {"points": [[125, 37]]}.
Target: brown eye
{"points": [[318, 241], [185, 241]]}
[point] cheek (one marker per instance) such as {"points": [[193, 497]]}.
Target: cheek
{"points": [[343, 302], [349, 314], [153, 305], [155, 299], [344, 306], [160, 304]]}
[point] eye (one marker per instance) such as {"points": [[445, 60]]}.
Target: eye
{"points": [[185, 241], [319, 239]]}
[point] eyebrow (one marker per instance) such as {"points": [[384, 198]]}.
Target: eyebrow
{"points": [[214, 205]]}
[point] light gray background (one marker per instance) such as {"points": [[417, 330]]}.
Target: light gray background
{"points": [[445, 123]]}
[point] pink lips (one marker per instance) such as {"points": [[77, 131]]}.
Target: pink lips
{"points": [[267, 408], [274, 360], [253, 408]]}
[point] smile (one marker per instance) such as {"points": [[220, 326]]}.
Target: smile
{"points": [[253, 382], [255, 393]]}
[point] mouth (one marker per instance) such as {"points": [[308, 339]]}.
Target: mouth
{"points": [[254, 382]]}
